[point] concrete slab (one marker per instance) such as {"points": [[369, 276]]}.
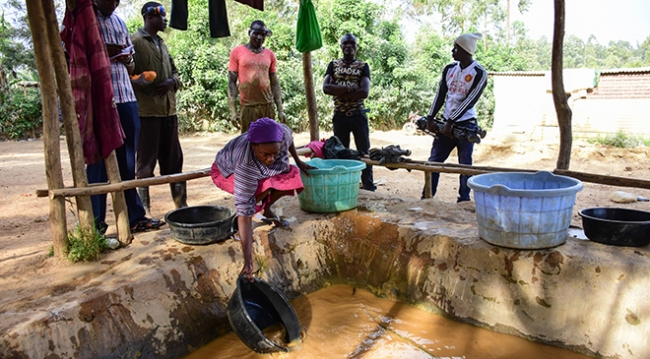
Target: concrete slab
{"points": [[159, 298]]}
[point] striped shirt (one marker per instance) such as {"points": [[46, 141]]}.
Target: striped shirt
{"points": [[114, 31], [237, 158]]}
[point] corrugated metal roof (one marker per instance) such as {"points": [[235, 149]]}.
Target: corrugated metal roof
{"points": [[637, 70], [518, 73]]}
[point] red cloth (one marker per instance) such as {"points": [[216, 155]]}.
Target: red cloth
{"points": [[90, 77], [255, 4], [316, 148], [289, 181]]}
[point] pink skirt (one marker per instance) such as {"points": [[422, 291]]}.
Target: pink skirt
{"points": [[289, 181]]}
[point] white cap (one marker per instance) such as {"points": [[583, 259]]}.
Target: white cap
{"points": [[468, 42]]}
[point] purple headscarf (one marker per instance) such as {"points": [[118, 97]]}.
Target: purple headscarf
{"points": [[265, 130]]}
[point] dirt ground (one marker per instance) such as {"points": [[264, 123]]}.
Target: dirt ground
{"points": [[25, 231]]}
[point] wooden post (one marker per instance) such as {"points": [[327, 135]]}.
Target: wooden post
{"points": [[559, 94], [70, 123], [310, 95], [427, 184], [119, 203], [42, 53]]}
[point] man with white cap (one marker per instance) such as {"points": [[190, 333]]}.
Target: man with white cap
{"points": [[460, 88]]}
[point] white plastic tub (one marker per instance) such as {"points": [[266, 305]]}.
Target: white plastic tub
{"points": [[524, 210]]}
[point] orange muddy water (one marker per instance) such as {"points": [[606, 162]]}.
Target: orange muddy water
{"points": [[344, 322]]}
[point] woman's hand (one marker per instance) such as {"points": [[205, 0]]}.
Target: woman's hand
{"points": [[247, 271], [304, 167], [246, 236]]}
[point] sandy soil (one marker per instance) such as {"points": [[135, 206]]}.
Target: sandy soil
{"points": [[25, 231]]}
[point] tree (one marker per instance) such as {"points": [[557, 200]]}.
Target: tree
{"points": [[559, 95]]}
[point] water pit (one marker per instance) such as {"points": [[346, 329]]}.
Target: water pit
{"points": [[344, 322], [163, 299]]}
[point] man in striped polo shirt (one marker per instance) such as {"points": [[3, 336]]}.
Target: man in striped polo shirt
{"points": [[118, 44], [460, 88]]}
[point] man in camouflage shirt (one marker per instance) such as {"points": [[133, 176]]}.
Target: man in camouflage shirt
{"points": [[348, 80]]}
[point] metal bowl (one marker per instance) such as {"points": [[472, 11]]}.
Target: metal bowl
{"points": [[201, 224], [616, 226]]}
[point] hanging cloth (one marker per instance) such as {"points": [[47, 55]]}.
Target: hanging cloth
{"points": [[255, 4], [216, 11], [308, 36], [90, 79]]}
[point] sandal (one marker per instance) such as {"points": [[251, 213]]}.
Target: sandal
{"points": [[147, 224], [278, 221]]}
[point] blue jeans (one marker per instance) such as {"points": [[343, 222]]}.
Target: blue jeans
{"points": [[96, 172], [442, 147], [358, 125]]}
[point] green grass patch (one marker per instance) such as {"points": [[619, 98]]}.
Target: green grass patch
{"points": [[85, 245], [620, 140]]}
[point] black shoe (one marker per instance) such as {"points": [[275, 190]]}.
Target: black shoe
{"points": [[458, 200], [101, 227]]}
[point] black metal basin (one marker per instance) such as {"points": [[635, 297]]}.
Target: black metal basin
{"points": [[616, 226], [259, 305], [201, 224]]}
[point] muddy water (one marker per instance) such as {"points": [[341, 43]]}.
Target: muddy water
{"points": [[344, 322]]}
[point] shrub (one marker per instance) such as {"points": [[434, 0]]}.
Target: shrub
{"points": [[21, 114], [84, 245], [620, 140]]}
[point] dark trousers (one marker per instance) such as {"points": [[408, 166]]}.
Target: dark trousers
{"points": [[96, 172], [442, 147], [216, 11], [358, 125], [159, 143]]}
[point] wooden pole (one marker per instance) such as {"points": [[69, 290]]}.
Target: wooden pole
{"points": [[53, 174], [119, 203], [70, 123], [310, 95], [97, 188], [427, 184], [425, 166], [559, 94]]}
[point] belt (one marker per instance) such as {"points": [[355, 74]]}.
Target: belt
{"points": [[472, 121], [352, 112]]}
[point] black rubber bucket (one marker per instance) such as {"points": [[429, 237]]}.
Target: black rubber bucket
{"points": [[616, 226], [201, 224], [256, 306]]}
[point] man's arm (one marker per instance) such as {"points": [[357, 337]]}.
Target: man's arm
{"points": [[171, 84], [277, 96], [439, 100], [361, 92], [175, 76], [232, 96], [332, 89]]}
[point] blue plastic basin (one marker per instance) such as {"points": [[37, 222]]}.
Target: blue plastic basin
{"points": [[333, 187], [524, 210]]}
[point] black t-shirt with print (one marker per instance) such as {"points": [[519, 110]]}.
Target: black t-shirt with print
{"points": [[345, 74]]}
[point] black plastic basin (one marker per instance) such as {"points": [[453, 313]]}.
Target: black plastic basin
{"points": [[201, 224], [616, 226], [256, 306]]}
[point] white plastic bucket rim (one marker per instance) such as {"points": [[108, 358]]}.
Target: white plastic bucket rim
{"points": [[489, 183]]}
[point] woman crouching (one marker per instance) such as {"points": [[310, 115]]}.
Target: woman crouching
{"points": [[254, 167]]}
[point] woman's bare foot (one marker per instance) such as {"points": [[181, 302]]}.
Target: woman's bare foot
{"points": [[272, 218]]}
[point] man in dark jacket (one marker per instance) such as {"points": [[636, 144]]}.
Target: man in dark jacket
{"points": [[157, 105]]}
